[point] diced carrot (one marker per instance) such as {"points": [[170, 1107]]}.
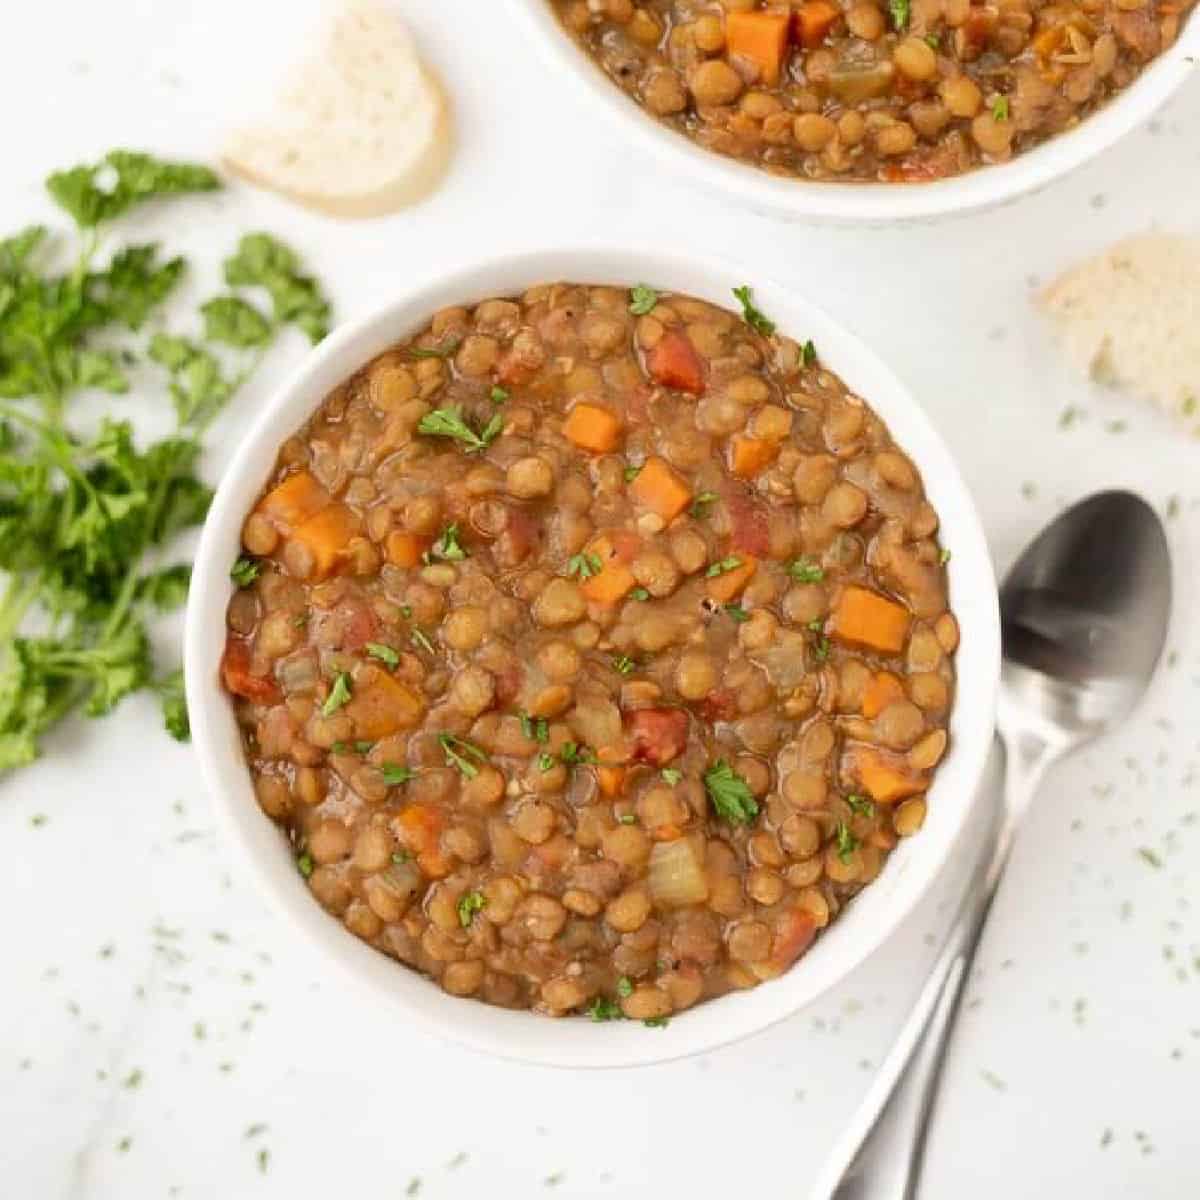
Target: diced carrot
{"points": [[293, 501], [749, 529], [406, 549], [761, 37], [611, 780], [794, 933], [748, 455], [729, 584], [814, 19], [615, 550], [382, 705], [327, 535], [236, 675], [593, 428], [658, 488], [674, 363], [862, 617], [879, 693], [666, 833], [884, 778], [418, 826]]}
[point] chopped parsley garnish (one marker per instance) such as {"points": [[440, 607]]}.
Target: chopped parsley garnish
{"points": [[572, 753], [304, 864], [584, 565], [723, 566], [421, 640], [545, 761], [536, 729], [459, 752], [628, 818], [469, 903], [900, 10], [805, 570], [737, 613], [448, 548], [498, 395], [933, 40], [642, 300], [632, 472], [385, 654], [604, 1009], [943, 556], [448, 422], [860, 806], [406, 611], [656, 1022], [672, 775], [444, 350], [394, 775], [821, 642], [639, 593], [339, 694], [624, 665], [245, 571], [808, 353], [847, 843], [1000, 108], [731, 796], [699, 508], [624, 987], [352, 747], [752, 316]]}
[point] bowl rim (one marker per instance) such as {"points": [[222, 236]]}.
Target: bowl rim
{"points": [[876, 913], [865, 203]]}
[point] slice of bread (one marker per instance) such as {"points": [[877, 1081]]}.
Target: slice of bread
{"points": [[361, 128], [1130, 318]]}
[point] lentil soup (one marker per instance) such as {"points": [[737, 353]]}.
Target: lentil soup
{"points": [[868, 90], [593, 649]]}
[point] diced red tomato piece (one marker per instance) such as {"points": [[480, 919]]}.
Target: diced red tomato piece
{"points": [[674, 363], [520, 536], [719, 705], [235, 674], [748, 521], [659, 734], [795, 934]]}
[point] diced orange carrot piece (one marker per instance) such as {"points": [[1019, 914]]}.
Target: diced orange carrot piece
{"points": [[593, 428], [795, 932], [327, 535], [729, 584], [883, 689], [293, 501], [862, 617], [814, 19], [615, 551], [761, 37], [674, 363], [883, 778], [419, 828], [382, 705], [658, 488], [749, 455], [406, 549], [611, 780]]}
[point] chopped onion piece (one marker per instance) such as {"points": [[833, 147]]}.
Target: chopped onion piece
{"points": [[677, 874]]}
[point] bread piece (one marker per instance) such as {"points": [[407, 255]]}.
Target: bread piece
{"points": [[1131, 318], [361, 128]]}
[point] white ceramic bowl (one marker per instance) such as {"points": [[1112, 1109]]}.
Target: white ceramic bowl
{"points": [[874, 203], [865, 924]]}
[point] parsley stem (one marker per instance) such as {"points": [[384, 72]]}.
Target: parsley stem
{"points": [[19, 595]]}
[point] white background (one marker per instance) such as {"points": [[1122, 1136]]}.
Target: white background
{"points": [[152, 1012]]}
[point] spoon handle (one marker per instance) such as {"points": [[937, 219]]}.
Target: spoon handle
{"points": [[880, 1155]]}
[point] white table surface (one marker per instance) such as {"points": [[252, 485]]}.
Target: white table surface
{"points": [[162, 1034]]}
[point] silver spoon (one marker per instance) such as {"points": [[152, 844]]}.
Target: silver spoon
{"points": [[1084, 617]]}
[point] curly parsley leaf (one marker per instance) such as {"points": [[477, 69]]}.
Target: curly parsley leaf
{"points": [[732, 799], [245, 571], [339, 694], [753, 317], [584, 565], [235, 322], [470, 903], [900, 11], [642, 300], [448, 422], [134, 284], [263, 261], [198, 385], [174, 706], [448, 548], [122, 179], [459, 753]]}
